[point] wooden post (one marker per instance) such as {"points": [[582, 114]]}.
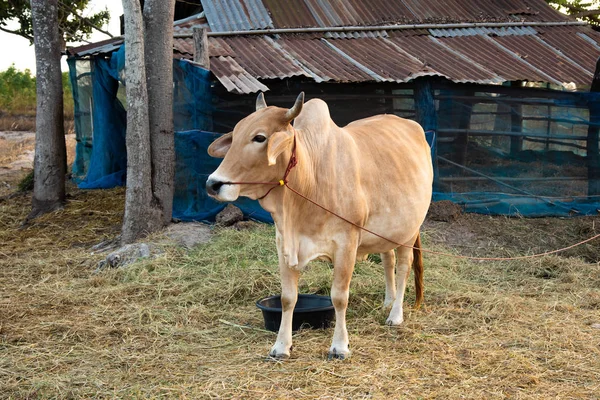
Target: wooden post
{"points": [[463, 110], [501, 124], [201, 55], [593, 156], [455, 113], [426, 115], [516, 125]]}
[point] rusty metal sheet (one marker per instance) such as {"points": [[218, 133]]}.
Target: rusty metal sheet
{"points": [[236, 15], [567, 40], [492, 58], [103, 47], [184, 46], [218, 47], [323, 61], [443, 60], [233, 77], [534, 52], [261, 59], [186, 26], [332, 13], [378, 12], [395, 66], [290, 14], [323, 13]]}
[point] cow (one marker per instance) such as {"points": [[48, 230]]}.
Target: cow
{"points": [[375, 172]]}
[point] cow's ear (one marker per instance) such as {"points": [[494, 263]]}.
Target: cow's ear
{"points": [[278, 142], [220, 147]]}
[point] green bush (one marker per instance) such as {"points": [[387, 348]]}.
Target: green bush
{"points": [[17, 92]]}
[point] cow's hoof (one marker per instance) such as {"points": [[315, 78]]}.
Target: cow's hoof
{"points": [[337, 355], [277, 357], [278, 354], [394, 321]]}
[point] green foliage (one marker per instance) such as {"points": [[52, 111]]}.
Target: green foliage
{"points": [[73, 25], [17, 92], [586, 10]]}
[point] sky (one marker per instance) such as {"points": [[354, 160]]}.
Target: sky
{"points": [[16, 50]]}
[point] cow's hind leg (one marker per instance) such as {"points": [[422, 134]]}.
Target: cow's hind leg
{"points": [[388, 259], [405, 260], [343, 266]]}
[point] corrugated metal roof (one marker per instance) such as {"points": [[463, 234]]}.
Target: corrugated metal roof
{"points": [[484, 58], [184, 46], [261, 59], [570, 43], [236, 15], [479, 54], [103, 47], [443, 60], [541, 57], [367, 52], [323, 61], [186, 26], [325, 13], [234, 77], [493, 58]]}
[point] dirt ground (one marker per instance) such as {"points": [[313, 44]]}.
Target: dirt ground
{"points": [[185, 325], [17, 149]]}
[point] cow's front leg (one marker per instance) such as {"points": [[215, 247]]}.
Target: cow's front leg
{"points": [[343, 266], [289, 296]]}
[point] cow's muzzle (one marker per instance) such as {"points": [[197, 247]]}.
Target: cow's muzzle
{"points": [[220, 189], [213, 186]]}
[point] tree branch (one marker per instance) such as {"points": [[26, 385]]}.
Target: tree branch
{"points": [[587, 13], [84, 19], [30, 38]]}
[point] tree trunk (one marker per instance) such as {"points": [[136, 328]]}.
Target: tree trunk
{"points": [[142, 211], [50, 161], [158, 18]]}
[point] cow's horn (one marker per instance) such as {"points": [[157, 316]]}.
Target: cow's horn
{"points": [[295, 110], [260, 101]]}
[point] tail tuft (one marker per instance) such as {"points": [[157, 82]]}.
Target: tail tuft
{"points": [[418, 271]]}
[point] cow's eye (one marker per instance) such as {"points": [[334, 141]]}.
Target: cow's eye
{"points": [[259, 138]]}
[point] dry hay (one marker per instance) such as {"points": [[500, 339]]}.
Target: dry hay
{"points": [[185, 325]]}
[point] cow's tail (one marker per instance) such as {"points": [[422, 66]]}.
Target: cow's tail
{"points": [[418, 271]]}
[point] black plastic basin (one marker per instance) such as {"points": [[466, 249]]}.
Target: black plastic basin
{"points": [[311, 310]]}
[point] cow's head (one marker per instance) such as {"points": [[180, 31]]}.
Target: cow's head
{"points": [[253, 152]]}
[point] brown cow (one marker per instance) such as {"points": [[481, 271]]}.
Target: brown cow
{"points": [[376, 172]]}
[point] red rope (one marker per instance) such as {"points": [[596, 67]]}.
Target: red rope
{"points": [[284, 182]]}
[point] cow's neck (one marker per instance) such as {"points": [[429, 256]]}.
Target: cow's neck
{"points": [[303, 176], [289, 211]]}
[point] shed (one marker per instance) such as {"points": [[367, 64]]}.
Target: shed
{"points": [[502, 88]]}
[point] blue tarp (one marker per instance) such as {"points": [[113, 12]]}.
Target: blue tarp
{"points": [[104, 164], [192, 168]]}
